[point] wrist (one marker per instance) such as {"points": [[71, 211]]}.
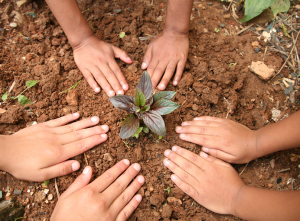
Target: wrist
{"points": [[76, 40], [238, 201], [175, 32], [3, 144]]}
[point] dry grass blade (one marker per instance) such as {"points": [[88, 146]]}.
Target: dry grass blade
{"points": [[243, 169], [56, 188]]}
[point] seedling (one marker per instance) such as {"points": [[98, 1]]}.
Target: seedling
{"points": [[21, 98], [46, 182], [217, 30], [70, 88], [232, 64], [122, 34], [144, 108], [168, 190]]}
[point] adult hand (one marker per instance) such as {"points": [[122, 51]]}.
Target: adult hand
{"points": [[106, 198], [221, 138], [39, 153], [96, 60], [167, 52], [211, 182]]}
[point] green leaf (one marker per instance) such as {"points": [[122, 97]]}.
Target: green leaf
{"points": [[254, 8], [123, 102], [285, 31], [145, 129], [280, 6], [137, 133], [122, 34], [145, 85], [155, 122], [159, 137], [46, 182], [31, 83], [129, 127], [4, 96], [217, 30], [23, 100], [164, 106], [164, 94], [140, 98]]}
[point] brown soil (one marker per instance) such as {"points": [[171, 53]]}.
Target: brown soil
{"points": [[206, 82]]}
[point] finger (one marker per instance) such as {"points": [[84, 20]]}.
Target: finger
{"points": [[118, 73], [101, 79], [202, 123], [88, 122], [90, 79], [147, 57], [127, 195], [109, 176], [62, 120], [158, 72], [111, 78], [179, 72], [81, 181], [129, 208], [203, 140], [202, 130], [119, 53], [167, 76], [60, 169], [213, 159], [81, 134], [219, 154], [208, 118], [187, 188], [117, 187]]}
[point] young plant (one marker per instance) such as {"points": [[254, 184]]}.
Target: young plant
{"points": [[144, 108]]}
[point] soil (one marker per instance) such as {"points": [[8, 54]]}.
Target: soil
{"points": [[38, 49]]}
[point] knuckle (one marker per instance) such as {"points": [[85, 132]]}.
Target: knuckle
{"points": [[63, 170], [70, 127], [187, 165], [185, 176], [77, 134], [80, 144], [100, 205], [203, 140], [188, 190], [125, 214], [119, 186], [172, 156], [125, 198], [194, 158], [207, 122], [202, 130], [109, 176]]}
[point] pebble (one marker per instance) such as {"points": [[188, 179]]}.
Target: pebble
{"points": [[108, 157], [288, 90], [210, 3], [205, 30], [279, 180], [50, 197], [17, 192], [294, 75], [262, 70], [195, 107], [257, 50], [28, 56], [277, 88], [272, 163], [40, 196], [46, 191], [255, 44], [174, 200], [222, 25], [270, 185], [117, 11]]}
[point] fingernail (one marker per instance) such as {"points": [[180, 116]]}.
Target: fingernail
{"points": [[111, 93], [141, 179], [104, 136], [76, 114], [75, 166], [178, 128], [175, 83], [126, 162], [173, 177], [86, 170], [128, 58], [137, 166], [204, 155], [125, 87], [185, 123], [205, 149], [182, 135], [94, 119], [196, 118], [104, 127], [174, 148], [167, 152], [166, 162], [138, 198], [97, 89], [120, 92], [143, 65], [161, 86]]}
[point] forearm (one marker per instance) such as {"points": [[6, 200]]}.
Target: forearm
{"points": [[71, 20], [279, 136], [260, 204], [178, 16]]}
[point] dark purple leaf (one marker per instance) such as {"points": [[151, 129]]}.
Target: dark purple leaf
{"points": [[145, 85], [163, 95], [150, 101], [140, 98], [123, 102], [155, 122], [129, 127], [164, 106]]}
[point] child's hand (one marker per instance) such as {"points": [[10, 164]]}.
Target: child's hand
{"points": [[211, 182], [41, 152], [96, 61], [221, 138], [165, 54], [106, 198]]}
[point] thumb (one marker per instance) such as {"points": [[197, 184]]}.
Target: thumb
{"points": [[119, 53], [147, 57], [81, 181]]}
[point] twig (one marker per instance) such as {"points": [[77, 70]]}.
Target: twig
{"points": [[244, 29], [283, 170], [56, 187], [85, 158], [296, 50], [266, 49], [243, 169], [228, 107]]}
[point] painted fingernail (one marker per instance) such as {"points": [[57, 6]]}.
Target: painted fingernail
{"points": [[144, 65], [111, 93], [104, 127], [104, 136], [173, 177], [141, 179], [204, 155], [75, 166], [137, 166], [167, 152], [86, 170], [205, 149], [120, 92], [125, 87], [95, 119], [175, 83], [166, 162], [185, 123], [178, 128], [76, 114], [138, 198], [174, 148], [126, 162], [182, 135]]}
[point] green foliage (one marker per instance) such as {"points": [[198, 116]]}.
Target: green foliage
{"points": [[168, 190], [70, 88], [280, 6], [4, 96], [122, 34], [46, 182], [31, 83], [144, 107], [232, 64], [23, 100], [217, 30]]}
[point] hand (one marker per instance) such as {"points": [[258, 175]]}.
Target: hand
{"points": [[106, 198], [39, 153], [96, 60], [211, 182], [221, 138], [164, 54]]}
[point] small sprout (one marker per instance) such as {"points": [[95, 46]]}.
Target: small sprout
{"points": [[122, 34], [46, 182], [4, 96], [219, 112], [217, 30], [19, 218], [137, 133], [70, 88], [145, 129], [23, 100], [168, 190], [232, 64], [159, 137]]}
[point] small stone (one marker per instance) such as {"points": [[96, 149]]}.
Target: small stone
{"points": [[227, 16], [222, 25], [262, 70], [72, 98], [151, 189], [279, 180], [118, 10], [255, 44], [17, 192], [13, 25], [288, 90], [28, 56], [272, 163], [40, 196], [277, 88], [210, 3], [173, 200], [46, 191], [293, 159], [294, 75], [270, 185], [257, 50], [50, 197], [159, 18], [205, 30], [195, 107], [31, 193], [108, 157], [46, 201]]}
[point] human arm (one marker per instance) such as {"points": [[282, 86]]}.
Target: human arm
{"points": [[169, 50], [109, 197], [41, 152], [94, 58], [215, 185]]}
